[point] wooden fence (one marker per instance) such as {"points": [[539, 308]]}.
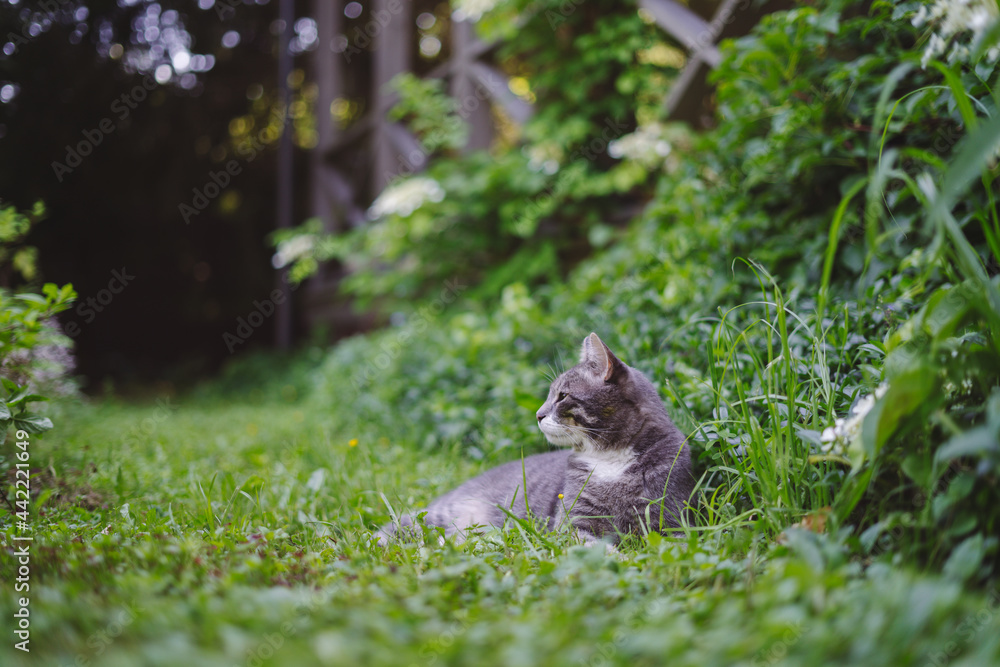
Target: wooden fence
{"points": [[351, 166]]}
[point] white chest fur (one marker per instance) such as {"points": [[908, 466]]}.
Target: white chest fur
{"points": [[605, 466]]}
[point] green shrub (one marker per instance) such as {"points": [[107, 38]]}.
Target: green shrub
{"points": [[811, 283], [542, 197], [34, 355]]}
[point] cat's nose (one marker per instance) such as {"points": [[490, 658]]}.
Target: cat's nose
{"points": [[540, 415]]}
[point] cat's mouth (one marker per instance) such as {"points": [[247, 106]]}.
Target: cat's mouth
{"points": [[559, 434]]}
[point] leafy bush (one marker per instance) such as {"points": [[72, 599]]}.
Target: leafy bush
{"points": [[544, 195], [812, 281], [34, 355]]}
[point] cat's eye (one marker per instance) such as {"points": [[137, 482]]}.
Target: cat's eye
{"points": [[561, 396]]}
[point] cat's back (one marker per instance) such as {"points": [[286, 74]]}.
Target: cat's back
{"points": [[540, 476]]}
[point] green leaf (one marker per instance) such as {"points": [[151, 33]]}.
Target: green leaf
{"points": [[891, 81], [919, 468], [985, 41], [20, 399], [804, 543], [947, 306], [979, 441], [67, 293], [908, 392], [958, 92], [33, 424], [32, 298], [17, 395], [4, 410], [965, 559], [976, 152], [831, 247]]}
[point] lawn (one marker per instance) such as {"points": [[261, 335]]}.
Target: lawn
{"points": [[194, 532], [811, 284]]}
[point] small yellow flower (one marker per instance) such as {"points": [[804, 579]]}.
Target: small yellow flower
{"points": [[353, 442], [560, 496]]}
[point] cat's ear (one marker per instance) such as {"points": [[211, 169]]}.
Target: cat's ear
{"points": [[599, 358]]}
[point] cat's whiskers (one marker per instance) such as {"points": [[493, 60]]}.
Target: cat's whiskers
{"points": [[589, 430], [594, 429], [553, 372], [585, 436]]}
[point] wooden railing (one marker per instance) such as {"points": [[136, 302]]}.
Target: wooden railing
{"points": [[350, 167]]}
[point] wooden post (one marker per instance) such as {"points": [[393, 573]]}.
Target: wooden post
{"points": [[283, 314], [473, 100], [392, 56], [327, 67]]}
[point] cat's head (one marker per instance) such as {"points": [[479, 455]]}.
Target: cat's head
{"points": [[594, 404]]}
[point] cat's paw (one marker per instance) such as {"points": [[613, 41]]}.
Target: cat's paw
{"points": [[591, 540]]}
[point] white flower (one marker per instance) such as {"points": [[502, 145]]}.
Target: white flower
{"points": [[963, 388], [935, 47], [955, 17], [647, 145], [405, 197], [837, 438], [472, 10], [292, 249], [543, 157], [315, 482]]}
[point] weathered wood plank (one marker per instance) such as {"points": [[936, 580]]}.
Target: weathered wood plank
{"points": [[465, 90], [692, 31], [495, 84], [329, 85], [392, 56]]}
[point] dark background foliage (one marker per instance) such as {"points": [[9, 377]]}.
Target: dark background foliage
{"points": [[119, 208]]}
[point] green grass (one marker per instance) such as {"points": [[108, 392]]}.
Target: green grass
{"points": [[234, 551], [234, 528]]}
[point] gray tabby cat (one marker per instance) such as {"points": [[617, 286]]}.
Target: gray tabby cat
{"points": [[626, 464]]}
